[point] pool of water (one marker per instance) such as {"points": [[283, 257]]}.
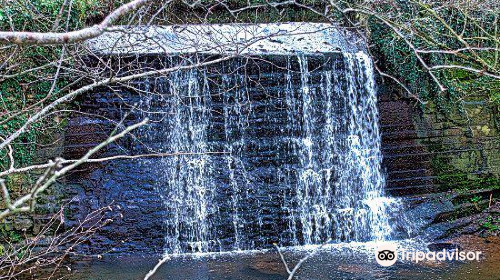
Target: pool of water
{"points": [[344, 261]]}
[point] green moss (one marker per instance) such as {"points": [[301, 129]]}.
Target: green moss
{"points": [[461, 182], [491, 224], [9, 235], [451, 178], [457, 173]]}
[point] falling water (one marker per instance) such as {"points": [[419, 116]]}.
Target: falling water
{"points": [[294, 158], [339, 191]]}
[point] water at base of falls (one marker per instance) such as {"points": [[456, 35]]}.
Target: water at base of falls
{"points": [[285, 152]]}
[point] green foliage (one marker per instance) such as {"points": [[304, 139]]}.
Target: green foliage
{"points": [[475, 199], [396, 57], [422, 25], [45, 12], [9, 235], [18, 94], [24, 90], [450, 178], [491, 224]]}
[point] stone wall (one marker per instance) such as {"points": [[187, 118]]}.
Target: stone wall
{"points": [[442, 162], [16, 227], [420, 144]]}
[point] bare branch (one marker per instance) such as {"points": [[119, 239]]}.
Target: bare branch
{"points": [[470, 69], [17, 206], [96, 160], [44, 253], [283, 259], [293, 272], [91, 86], [52, 38], [157, 266]]}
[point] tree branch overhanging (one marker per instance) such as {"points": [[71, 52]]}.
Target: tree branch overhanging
{"points": [[54, 38], [51, 175]]}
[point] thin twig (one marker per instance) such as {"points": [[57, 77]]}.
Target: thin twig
{"points": [[17, 206], [291, 273], [157, 266]]}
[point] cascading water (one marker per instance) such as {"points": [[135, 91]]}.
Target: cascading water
{"points": [[184, 181], [298, 165], [339, 191]]}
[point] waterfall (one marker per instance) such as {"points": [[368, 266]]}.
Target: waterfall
{"points": [[340, 186], [290, 156]]}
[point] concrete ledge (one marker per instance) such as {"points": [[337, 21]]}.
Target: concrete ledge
{"points": [[228, 39]]}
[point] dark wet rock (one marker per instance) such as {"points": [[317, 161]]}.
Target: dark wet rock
{"points": [[480, 223], [423, 212], [268, 264], [275, 41]]}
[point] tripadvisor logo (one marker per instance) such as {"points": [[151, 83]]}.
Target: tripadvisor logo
{"points": [[387, 254]]}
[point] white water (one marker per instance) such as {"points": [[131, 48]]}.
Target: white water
{"points": [[330, 187], [347, 146]]}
